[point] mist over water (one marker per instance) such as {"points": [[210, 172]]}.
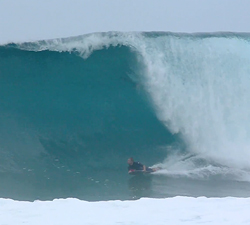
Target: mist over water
{"points": [[72, 111], [200, 88]]}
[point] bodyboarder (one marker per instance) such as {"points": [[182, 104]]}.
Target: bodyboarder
{"points": [[136, 166]]}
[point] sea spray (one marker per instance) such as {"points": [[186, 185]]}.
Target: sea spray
{"points": [[200, 88]]}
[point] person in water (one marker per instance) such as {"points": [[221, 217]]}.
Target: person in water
{"points": [[132, 165]]}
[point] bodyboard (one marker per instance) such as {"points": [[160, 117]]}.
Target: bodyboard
{"points": [[138, 172]]}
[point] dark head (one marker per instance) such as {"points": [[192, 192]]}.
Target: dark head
{"points": [[130, 161]]}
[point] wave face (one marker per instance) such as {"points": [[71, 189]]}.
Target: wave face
{"points": [[72, 110]]}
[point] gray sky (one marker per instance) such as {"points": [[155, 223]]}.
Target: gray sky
{"points": [[26, 20]]}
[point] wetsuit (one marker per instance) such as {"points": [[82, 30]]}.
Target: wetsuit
{"points": [[138, 166]]}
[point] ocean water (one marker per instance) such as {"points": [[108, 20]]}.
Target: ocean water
{"points": [[73, 110]]}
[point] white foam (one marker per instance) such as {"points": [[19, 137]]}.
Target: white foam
{"points": [[177, 210], [199, 89]]}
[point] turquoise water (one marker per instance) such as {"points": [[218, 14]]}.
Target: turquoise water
{"points": [[73, 110]]}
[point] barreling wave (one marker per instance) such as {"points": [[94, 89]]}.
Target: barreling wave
{"points": [[203, 75], [90, 101]]}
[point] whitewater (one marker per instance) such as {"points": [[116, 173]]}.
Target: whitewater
{"points": [[178, 210], [74, 109]]}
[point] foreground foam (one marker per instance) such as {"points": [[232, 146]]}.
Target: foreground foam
{"points": [[178, 210]]}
